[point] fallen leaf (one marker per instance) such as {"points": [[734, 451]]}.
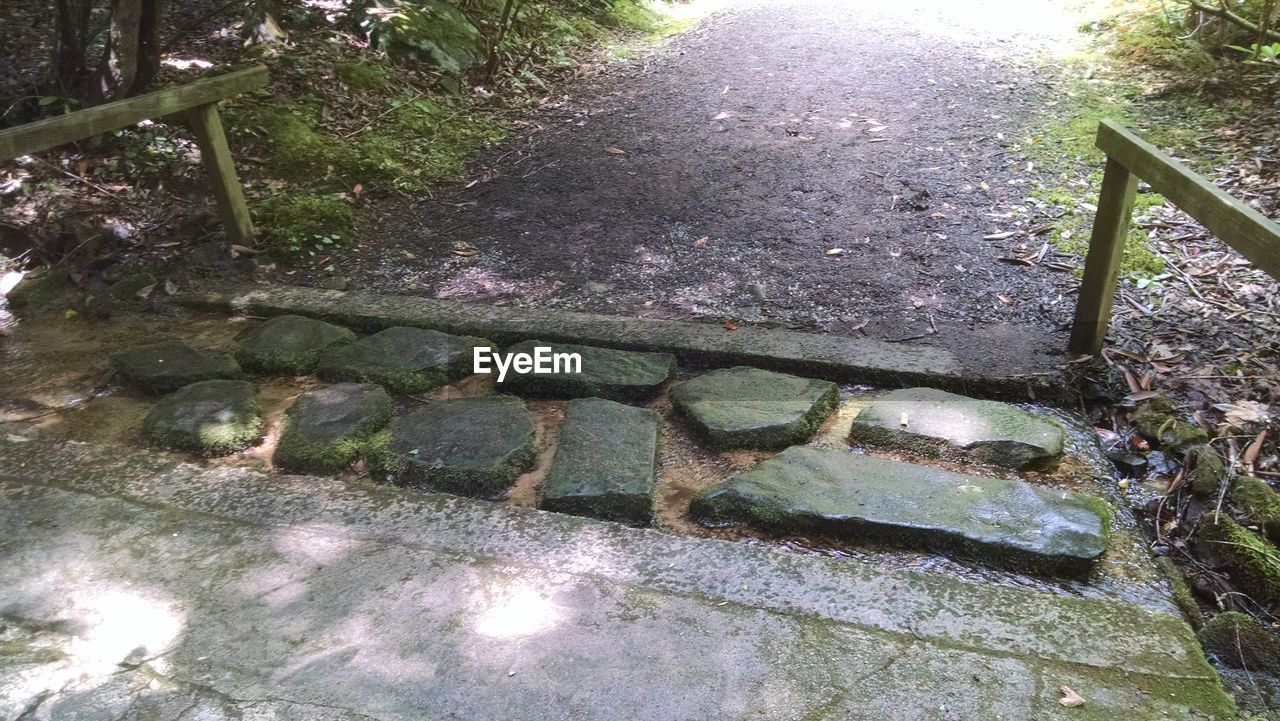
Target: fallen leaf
{"points": [[1070, 698], [702, 241], [722, 115], [836, 251], [614, 151], [145, 291], [1000, 236], [1251, 453], [243, 250], [1005, 299], [170, 288], [730, 325], [1241, 413]]}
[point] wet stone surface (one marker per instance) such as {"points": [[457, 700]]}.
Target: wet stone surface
{"points": [[169, 365], [403, 360], [936, 423], [606, 373], [327, 428], [290, 344], [605, 464], [752, 408], [1005, 522], [469, 446], [211, 418]]}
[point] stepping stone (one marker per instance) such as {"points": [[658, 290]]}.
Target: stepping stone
{"points": [[468, 446], [212, 418], [752, 408], [606, 463], [290, 344], [169, 365], [938, 424], [1007, 522], [403, 360], [618, 375], [328, 428]]}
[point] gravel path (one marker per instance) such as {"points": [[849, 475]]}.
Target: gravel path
{"points": [[718, 177]]}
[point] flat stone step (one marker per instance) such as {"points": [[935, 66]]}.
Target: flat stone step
{"points": [[290, 344], [619, 375], [752, 408], [1005, 522], [605, 464], [327, 429], [166, 366], [469, 446], [211, 418], [935, 423], [257, 589], [403, 360]]}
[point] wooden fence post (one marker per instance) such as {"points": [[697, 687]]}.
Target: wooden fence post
{"points": [[206, 125], [1102, 263]]}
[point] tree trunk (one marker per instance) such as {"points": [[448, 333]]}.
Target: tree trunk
{"points": [[265, 26], [70, 69], [126, 61]]}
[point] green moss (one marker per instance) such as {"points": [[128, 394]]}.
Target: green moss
{"points": [[1207, 472], [210, 418], [40, 289], [362, 75], [1166, 431], [1181, 592], [1239, 641], [1256, 504], [293, 143], [293, 225], [1252, 563]]}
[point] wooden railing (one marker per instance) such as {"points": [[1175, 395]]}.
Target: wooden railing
{"points": [[198, 101], [1130, 158]]}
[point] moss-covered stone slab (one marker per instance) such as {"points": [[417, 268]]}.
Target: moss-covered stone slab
{"points": [[934, 423], [1239, 641], [469, 446], [1005, 522], [1253, 563], [617, 375], [290, 344], [402, 360], [327, 429], [211, 418], [166, 366], [605, 464], [752, 408]]}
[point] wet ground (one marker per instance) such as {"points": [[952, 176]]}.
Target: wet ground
{"points": [[827, 165], [55, 383]]}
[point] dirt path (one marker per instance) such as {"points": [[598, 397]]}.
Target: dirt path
{"points": [[753, 147]]}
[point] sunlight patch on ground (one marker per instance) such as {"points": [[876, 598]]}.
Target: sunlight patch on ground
{"points": [[517, 610]]}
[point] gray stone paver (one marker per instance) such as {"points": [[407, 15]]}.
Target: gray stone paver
{"points": [[606, 463], [745, 407], [1005, 522], [930, 422]]}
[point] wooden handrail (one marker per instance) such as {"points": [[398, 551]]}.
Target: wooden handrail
{"points": [[1130, 158], [198, 101]]}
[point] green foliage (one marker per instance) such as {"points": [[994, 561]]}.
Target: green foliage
{"points": [[631, 15], [293, 226], [428, 31]]}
